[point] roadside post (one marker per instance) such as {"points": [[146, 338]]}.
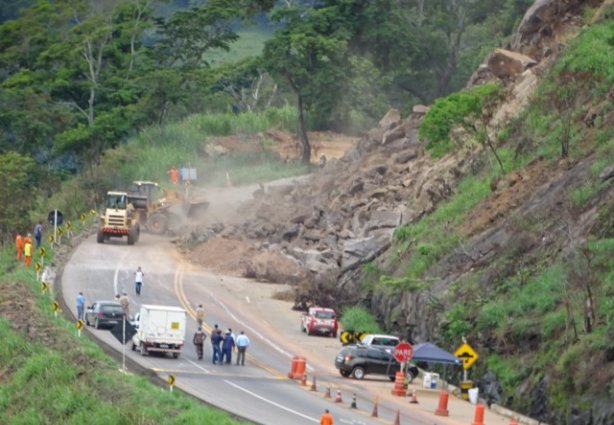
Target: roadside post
{"points": [[171, 382], [468, 355], [79, 325], [56, 308]]}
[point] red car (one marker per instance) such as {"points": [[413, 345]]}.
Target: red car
{"points": [[320, 320]]}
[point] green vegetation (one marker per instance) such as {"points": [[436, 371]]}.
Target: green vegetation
{"points": [[50, 376], [359, 319], [435, 235], [146, 65], [457, 109]]}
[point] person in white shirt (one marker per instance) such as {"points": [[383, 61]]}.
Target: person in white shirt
{"points": [[138, 280], [242, 343]]}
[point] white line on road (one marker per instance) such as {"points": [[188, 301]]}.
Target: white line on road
{"points": [[199, 366], [271, 402], [252, 330]]}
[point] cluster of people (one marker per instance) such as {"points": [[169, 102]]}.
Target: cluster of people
{"points": [[24, 245], [222, 344]]}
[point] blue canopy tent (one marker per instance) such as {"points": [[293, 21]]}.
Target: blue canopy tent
{"points": [[430, 353], [427, 352]]}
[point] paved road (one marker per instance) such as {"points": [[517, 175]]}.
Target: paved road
{"points": [[260, 391]]}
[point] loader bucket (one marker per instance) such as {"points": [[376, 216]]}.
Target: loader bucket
{"points": [[195, 209]]}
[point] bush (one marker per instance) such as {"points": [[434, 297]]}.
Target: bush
{"points": [[359, 319], [450, 111]]}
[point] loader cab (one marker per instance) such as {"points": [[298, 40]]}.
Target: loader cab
{"points": [[116, 201], [146, 189]]}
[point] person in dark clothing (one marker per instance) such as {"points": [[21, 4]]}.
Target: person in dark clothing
{"points": [[198, 341], [216, 343], [227, 346]]}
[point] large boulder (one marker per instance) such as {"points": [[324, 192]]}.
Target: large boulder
{"points": [[506, 64]]}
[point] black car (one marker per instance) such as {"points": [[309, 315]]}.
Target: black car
{"points": [[104, 313], [361, 360]]}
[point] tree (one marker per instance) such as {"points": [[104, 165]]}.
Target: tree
{"points": [[308, 54], [18, 190]]}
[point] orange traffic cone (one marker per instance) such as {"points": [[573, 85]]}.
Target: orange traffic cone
{"points": [[414, 397], [442, 409], [479, 415], [397, 419], [327, 393], [338, 398], [313, 384]]}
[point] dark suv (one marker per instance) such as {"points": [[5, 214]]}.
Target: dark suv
{"points": [[360, 360]]}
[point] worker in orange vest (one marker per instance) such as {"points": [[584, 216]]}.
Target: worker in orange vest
{"points": [[27, 251], [326, 418], [19, 245], [174, 175]]}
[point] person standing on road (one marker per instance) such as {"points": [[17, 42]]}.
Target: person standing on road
{"points": [[138, 280], [216, 342], [80, 306], [124, 301], [19, 246], [242, 344], [326, 418], [227, 346], [200, 314], [198, 341], [38, 233]]}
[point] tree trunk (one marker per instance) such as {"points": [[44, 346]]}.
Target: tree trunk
{"points": [[302, 132]]}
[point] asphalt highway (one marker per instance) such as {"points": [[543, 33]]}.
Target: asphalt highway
{"points": [[260, 391]]}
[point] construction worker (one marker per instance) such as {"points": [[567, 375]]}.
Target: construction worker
{"points": [[27, 251], [19, 246], [200, 314], [125, 303], [198, 341], [326, 418], [173, 173], [28, 238]]}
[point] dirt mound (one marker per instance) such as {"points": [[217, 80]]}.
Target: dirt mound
{"points": [[246, 259]]}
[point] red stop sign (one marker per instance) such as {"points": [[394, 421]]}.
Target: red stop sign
{"points": [[403, 352]]}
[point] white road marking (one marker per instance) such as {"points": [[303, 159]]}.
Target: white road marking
{"points": [[247, 299], [294, 412], [198, 366], [252, 330]]}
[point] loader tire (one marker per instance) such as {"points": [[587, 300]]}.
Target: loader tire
{"points": [[133, 236], [157, 224]]}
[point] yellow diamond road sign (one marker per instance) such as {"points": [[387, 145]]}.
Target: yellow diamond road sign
{"points": [[83, 216], [44, 286], [56, 306], [467, 354], [171, 380], [79, 324], [38, 267], [42, 251]]}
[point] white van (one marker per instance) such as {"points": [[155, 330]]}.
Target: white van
{"points": [[160, 329]]}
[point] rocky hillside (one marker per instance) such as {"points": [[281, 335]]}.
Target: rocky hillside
{"points": [[505, 237]]}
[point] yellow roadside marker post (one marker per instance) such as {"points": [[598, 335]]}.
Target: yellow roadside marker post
{"points": [[79, 326], [56, 308], [171, 382]]}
